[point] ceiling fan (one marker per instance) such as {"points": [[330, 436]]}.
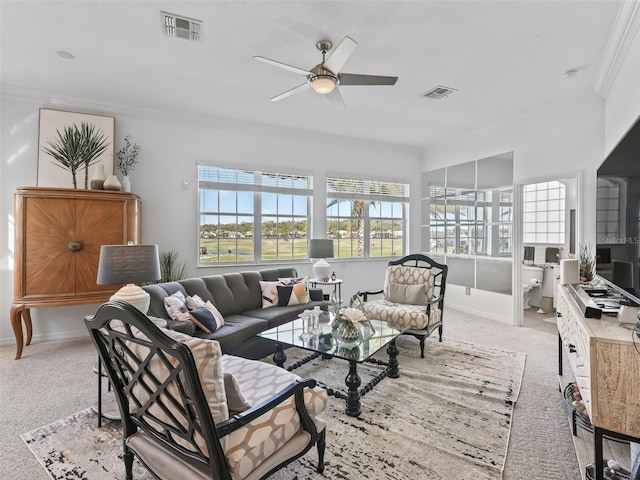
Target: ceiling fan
{"points": [[325, 77]]}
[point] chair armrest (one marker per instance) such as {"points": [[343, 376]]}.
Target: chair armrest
{"points": [[435, 300], [295, 388], [365, 294]]}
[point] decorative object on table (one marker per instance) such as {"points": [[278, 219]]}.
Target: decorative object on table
{"points": [[112, 183], [129, 264], [321, 248], [98, 178], [587, 261], [170, 269], [349, 321], [71, 142], [569, 271], [126, 159], [333, 277]]}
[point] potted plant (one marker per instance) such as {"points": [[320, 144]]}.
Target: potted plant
{"points": [[76, 148], [126, 159], [587, 261]]}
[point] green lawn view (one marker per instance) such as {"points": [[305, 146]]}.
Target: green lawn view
{"points": [[281, 249]]}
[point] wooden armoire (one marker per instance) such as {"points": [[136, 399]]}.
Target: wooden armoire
{"points": [[58, 234]]}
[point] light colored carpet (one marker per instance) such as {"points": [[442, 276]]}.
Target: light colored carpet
{"points": [[54, 380], [447, 416]]}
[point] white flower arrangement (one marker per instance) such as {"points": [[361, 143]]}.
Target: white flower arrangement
{"points": [[355, 315]]}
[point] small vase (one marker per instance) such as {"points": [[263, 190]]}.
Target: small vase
{"points": [[347, 332], [112, 183], [126, 184], [97, 180]]}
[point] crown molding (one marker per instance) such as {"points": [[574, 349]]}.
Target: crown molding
{"points": [[625, 28]]}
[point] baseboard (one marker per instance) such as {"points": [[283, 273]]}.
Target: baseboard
{"points": [[49, 337]]}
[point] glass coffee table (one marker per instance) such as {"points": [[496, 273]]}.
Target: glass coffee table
{"points": [[328, 345]]}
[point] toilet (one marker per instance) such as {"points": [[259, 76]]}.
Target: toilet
{"points": [[531, 278]]}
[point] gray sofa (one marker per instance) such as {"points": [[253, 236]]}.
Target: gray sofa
{"points": [[238, 297]]}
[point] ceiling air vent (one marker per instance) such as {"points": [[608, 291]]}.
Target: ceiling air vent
{"points": [[181, 27], [439, 92]]}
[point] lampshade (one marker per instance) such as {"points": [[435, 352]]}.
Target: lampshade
{"points": [[321, 248], [129, 264], [323, 84]]}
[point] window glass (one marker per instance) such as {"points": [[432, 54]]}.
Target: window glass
{"points": [[239, 206]]}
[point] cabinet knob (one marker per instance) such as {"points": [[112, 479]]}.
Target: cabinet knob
{"points": [[74, 246]]}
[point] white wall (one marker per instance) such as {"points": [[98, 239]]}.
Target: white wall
{"points": [[558, 143], [171, 148]]}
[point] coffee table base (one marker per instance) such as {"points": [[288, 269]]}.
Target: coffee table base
{"points": [[353, 405]]}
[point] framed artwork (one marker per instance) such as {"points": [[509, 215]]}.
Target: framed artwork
{"points": [[50, 173]]}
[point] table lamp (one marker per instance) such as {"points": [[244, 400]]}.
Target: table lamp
{"points": [[321, 248], [128, 265]]}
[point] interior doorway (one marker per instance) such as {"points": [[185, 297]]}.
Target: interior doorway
{"points": [[547, 232]]}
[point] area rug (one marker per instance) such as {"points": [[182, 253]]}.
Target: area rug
{"points": [[447, 416]]}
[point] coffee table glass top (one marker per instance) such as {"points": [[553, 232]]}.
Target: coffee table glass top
{"points": [[328, 343]]}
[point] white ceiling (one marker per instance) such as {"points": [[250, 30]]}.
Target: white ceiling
{"points": [[506, 58]]}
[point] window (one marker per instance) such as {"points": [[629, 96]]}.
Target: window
{"points": [[367, 219], [544, 212], [252, 216]]}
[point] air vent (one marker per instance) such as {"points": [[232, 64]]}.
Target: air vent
{"points": [[181, 27], [439, 92]]}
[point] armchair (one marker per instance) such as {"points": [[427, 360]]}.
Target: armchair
{"points": [[189, 412], [412, 295]]}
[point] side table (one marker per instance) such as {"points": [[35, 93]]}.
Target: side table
{"points": [[337, 286]]}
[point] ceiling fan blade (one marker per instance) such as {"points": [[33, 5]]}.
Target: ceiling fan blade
{"points": [[288, 93], [355, 79], [340, 55], [291, 68], [336, 100]]}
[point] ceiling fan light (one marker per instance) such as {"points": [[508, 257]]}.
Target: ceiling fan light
{"points": [[323, 84]]}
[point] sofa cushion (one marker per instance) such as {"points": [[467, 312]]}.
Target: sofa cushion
{"points": [[237, 329], [412, 316], [277, 316]]}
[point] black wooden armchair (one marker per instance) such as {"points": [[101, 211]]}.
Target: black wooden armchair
{"points": [[412, 296], [185, 416]]}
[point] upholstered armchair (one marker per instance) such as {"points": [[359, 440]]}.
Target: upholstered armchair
{"points": [[189, 412], [412, 296]]}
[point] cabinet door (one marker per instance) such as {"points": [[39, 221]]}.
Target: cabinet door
{"points": [[99, 222], [49, 266]]}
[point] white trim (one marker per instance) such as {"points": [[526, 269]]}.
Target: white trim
{"points": [[625, 28]]}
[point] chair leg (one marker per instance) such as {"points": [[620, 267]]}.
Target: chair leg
{"points": [[128, 464], [440, 333], [320, 444], [422, 337]]}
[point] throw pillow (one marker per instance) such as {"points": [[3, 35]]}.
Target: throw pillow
{"points": [[236, 401], [407, 294], [207, 318], [302, 295], [194, 302], [292, 294], [269, 294], [175, 305]]}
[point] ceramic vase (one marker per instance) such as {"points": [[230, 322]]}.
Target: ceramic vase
{"points": [[347, 332], [97, 180], [126, 184], [112, 183]]}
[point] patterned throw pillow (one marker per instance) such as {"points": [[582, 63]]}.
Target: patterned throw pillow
{"points": [[269, 294], [207, 318], [301, 289], [292, 294], [409, 276], [175, 305]]}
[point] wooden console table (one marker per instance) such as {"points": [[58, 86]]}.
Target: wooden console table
{"points": [[58, 234], [606, 365]]}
